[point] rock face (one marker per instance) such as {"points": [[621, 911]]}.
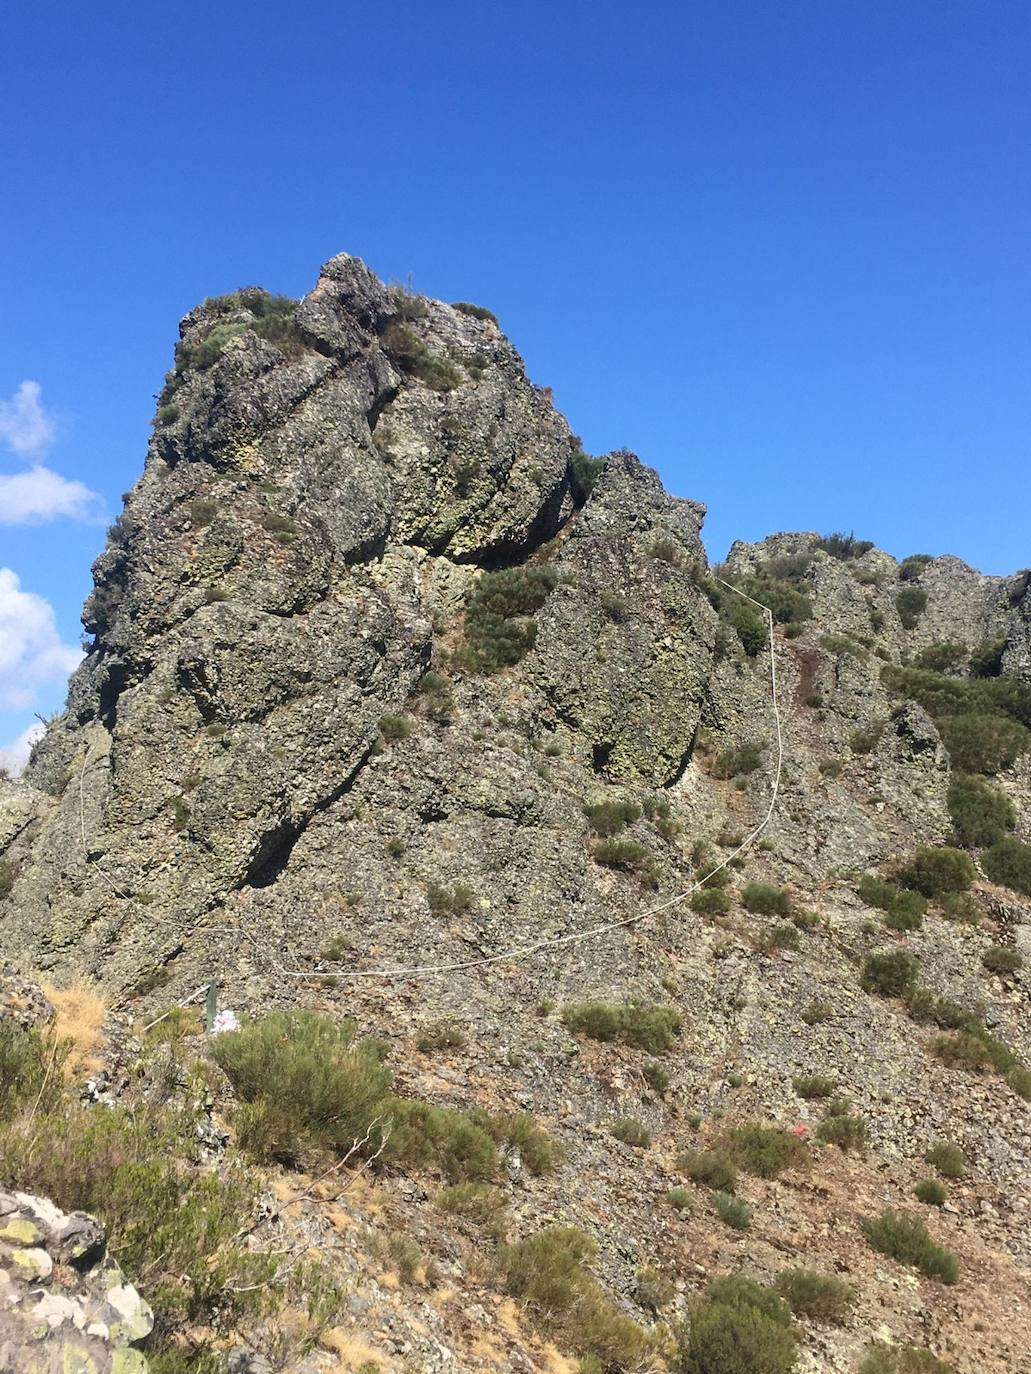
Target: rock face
{"points": [[287, 755], [64, 1303]]}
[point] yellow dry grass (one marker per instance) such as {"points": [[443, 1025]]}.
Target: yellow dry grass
{"points": [[351, 1350], [80, 1013]]}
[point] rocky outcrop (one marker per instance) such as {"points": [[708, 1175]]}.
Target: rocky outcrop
{"points": [[64, 1302]]}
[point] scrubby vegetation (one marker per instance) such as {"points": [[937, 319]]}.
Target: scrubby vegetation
{"points": [[713, 1168], [931, 1191], [499, 628], [643, 1025], [1008, 863], [902, 1359], [981, 815], [611, 817], [765, 899], [548, 1273], [738, 761], [732, 1211], [739, 1327], [934, 871], [629, 856], [905, 1238], [411, 355], [983, 722], [765, 1151], [844, 546], [948, 1159], [476, 312], [903, 908], [819, 1297], [890, 973]]}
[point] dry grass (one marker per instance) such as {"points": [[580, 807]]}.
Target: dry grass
{"points": [[80, 1013], [351, 1350]]}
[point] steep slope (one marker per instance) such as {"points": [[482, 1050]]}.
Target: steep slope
{"points": [[386, 672]]}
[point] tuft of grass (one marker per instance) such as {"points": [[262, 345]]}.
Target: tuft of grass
{"points": [[814, 1085], [454, 899], [394, 728], [713, 1168], [889, 973], [841, 1129], [934, 871], [645, 1026], [629, 1131], [732, 1211], [80, 1012], [1001, 960], [882, 1358], [608, 818], [479, 1203], [949, 1160], [738, 761], [931, 1191], [441, 1035], [765, 1151], [739, 1327]]}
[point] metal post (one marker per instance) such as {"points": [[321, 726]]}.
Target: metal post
{"points": [[211, 1009]]}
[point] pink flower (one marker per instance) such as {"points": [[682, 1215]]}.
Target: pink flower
{"points": [[800, 1130], [225, 1021]]}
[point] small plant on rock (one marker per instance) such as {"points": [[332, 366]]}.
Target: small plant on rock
{"points": [[904, 1237], [820, 1297]]}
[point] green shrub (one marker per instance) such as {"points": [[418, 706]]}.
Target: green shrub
{"points": [[679, 1199], [547, 1272], [949, 1160], [31, 1067], [983, 722], [411, 355], [911, 602], [765, 899], [765, 1151], [941, 658], [479, 1203], [843, 644], [813, 1085], [645, 1026], [476, 312], [844, 546], [932, 1192], [454, 899], [819, 1297], [747, 622], [454, 1142], [986, 743], [865, 740], [902, 1359], [499, 629], [629, 1131], [713, 1168], [986, 658], [831, 768], [737, 1329], [394, 728], [732, 1211], [981, 815], [904, 909], [784, 935], [441, 1035], [962, 1050], [845, 1131], [738, 761], [817, 1012], [583, 475], [656, 1075], [305, 1082], [905, 1238], [934, 871], [1019, 1079], [710, 901], [805, 920], [627, 856], [519, 1131], [609, 818], [998, 959], [890, 973], [1008, 863]]}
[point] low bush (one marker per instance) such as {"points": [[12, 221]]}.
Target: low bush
{"points": [[627, 856], [499, 628], [948, 1159], [584, 472], [941, 658], [394, 728], [442, 1035], [738, 761], [732, 1211], [983, 722], [980, 814], [806, 920], [765, 899], [904, 909], [679, 1199], [645, 1026], [413, 356], [548, 1273], [1019, 1079], [813, 1085], [986, 657], [962, 1050], [710, 901], [657, 1076], [765, 1151], [819, 1297], [608, 818], [454, 899], [713, 1168], [479, 1203], [905, 1238], [476, 312], [998, 959], [865, 740], [889, 973], [738, 1328], [882, 1358], [629, 1131], [845, 1131], [538, 1151], [817, 1012], [844, 546], [934, 871], [831, 768], [931, 1191], [1008, 863], [911, 602]]}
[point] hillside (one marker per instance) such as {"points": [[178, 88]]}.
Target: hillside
{"points": [[386, 673]]}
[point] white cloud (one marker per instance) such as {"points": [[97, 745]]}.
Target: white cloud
{"points": [[28, 498], [32, 653], [24, 424], [15, 756]]}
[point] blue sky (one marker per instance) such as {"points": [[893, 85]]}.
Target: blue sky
{"points": [[780, 250]]}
